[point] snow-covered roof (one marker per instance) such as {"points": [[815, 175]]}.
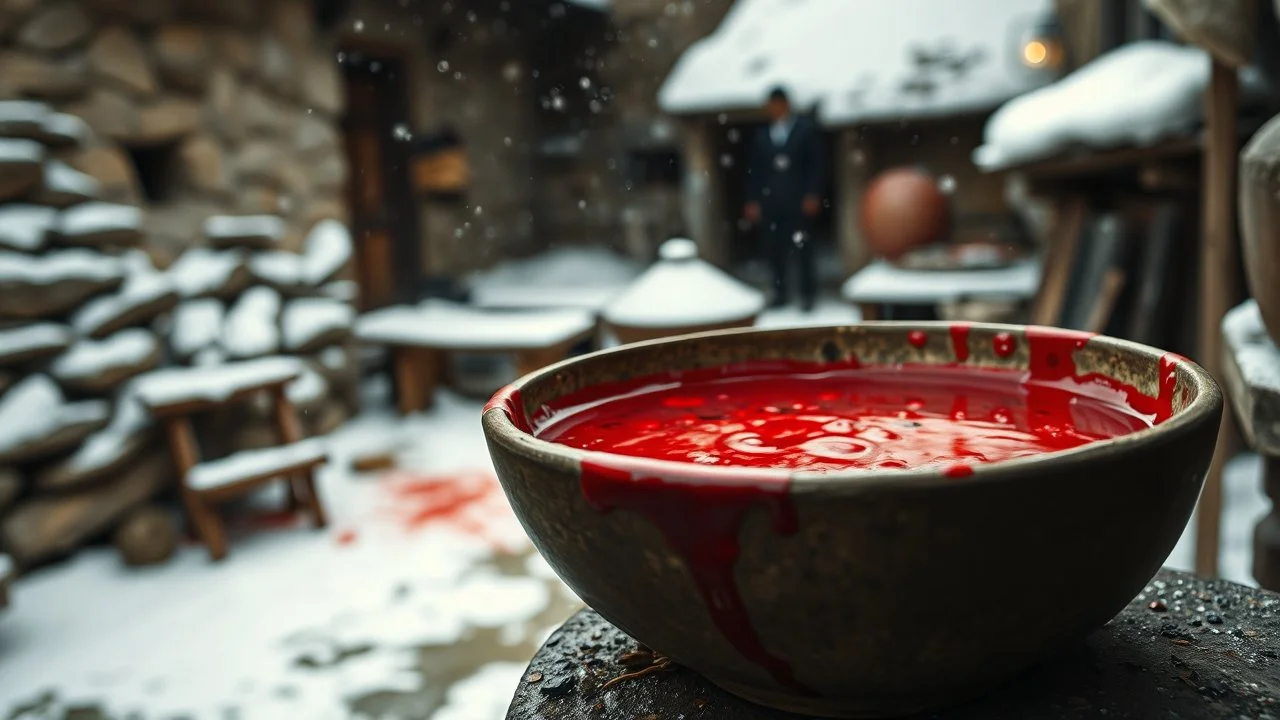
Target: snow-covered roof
{"points": [[1137, 94], [861, 60], [680, 290]]}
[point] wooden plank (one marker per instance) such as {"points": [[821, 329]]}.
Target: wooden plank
{"points": [[1112, 283], [1266, 536], [204, 521], [1060, 256], [1217, 282]]}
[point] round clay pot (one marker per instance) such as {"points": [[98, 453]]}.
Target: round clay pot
{"points": [[902, 210], [897, 591], [1260, 221]]}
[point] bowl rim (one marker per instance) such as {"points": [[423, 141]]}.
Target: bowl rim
{"points": [[502, 429]]}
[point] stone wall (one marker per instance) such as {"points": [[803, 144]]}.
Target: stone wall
{"points": [[197, 107]]}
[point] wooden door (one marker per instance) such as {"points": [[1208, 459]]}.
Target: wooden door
{"points": [[383, 211]]}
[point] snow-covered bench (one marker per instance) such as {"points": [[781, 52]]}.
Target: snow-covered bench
{"points": [[176, 394], [419, 335]]}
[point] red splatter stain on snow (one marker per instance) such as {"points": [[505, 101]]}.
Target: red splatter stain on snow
{"points": [[346, 537], [470, 502]]}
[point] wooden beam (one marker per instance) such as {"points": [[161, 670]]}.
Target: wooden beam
{"points": [[1217, 282]]}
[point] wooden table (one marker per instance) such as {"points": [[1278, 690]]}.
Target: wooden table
{"points": [[419, 336], [884, 285], [1251, 374], [1211, 650]]}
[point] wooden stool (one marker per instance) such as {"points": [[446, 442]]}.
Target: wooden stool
{"points": [[1251, 371], [175, 395]]}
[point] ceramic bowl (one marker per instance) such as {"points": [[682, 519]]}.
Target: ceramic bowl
{"points": [[895, 591]]}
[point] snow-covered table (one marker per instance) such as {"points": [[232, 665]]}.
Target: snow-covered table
{"points": [[1251, 373], [882, 283], [418, 337], [176, 394]]}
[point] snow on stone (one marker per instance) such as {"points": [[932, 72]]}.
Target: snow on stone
{"points": [[66, 127], [326, 250], [89, 358], [201, 271], [254, 463], [347, 291], [565, 277], [230, 229], [278, 268], [35, 409], [20, 117], [308, 389], [306, 319], [861, 60], [99, 218], [883, 282], [439, 323], [1254, 352], [63, 265], [252, 328], [37, 339], [143, 286], [17, 151], [682, 290], [197, 324], [105, 447], [173, 386], [25, 227], [62, 179], [334, 358], [1137, 94]]}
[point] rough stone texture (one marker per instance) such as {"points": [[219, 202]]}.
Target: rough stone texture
{"points": [[1186, 648], [202, 165], [140, 11], [146, 536], [323, 85], [43, 528], [238, 49], [109, 112], [20, 171], [115, 174], [182, 56], [29, 74], [223, 104], [169, 119], [276, 67], [62, 476], [117, 56], [56, 26]]}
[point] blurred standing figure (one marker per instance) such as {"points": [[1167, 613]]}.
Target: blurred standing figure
{"points": [[786, 175]]}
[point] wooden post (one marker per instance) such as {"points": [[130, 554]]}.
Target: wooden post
{"points": [[205, 522], [1266, 536], [704, 211], [1217, 275], [417, 372], [852, 173], [301, 484]]}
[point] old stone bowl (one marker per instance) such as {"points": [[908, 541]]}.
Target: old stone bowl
{"points": [[895, 591]]}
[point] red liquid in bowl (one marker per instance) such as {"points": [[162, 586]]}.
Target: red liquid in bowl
{"points": [[870, 418]]}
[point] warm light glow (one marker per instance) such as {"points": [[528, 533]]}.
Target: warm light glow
{"points": [[1035, 53]]}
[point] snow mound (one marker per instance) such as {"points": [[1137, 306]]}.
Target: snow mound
{"points": [[34, 410], [861, 60], [326, 250], [145, 294], [310, 388], [92, 358], [251, 328], [174, 386], [566, 277], [106, 447], [197, 324], [310, 323], [681, 290], [200, 271], [30, 342], [54, 267], [25, 227], [442, 324], [1138, 94]]}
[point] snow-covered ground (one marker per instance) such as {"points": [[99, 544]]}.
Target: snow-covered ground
{"points": [[423, 599]]}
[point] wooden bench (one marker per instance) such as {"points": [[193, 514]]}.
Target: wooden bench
{"points": [[881, 290], [1251, 373], [420, 336], [175, 395]]}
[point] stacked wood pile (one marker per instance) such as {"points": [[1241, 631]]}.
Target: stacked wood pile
{"points": [[85, 311]]}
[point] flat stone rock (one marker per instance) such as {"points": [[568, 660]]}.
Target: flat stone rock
{"points": [[1251, 374], [309, 324], [200, 272], [142, 297], [36, 421], [57, 25], [1187, 647], [105, 453], [10, 487], [28, 344], [117, 56], [42, 528], [33, 74], [64, 186], [100, 224], [21, 163], [96, 367], [22, 119], [250, 231], [53, 283], [61, 130]]}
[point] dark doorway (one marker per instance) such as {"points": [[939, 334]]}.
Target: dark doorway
{"points": [[384, 215], [747, 252]]}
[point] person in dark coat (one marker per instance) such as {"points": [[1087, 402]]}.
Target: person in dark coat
{"points": [[786, 176]]}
